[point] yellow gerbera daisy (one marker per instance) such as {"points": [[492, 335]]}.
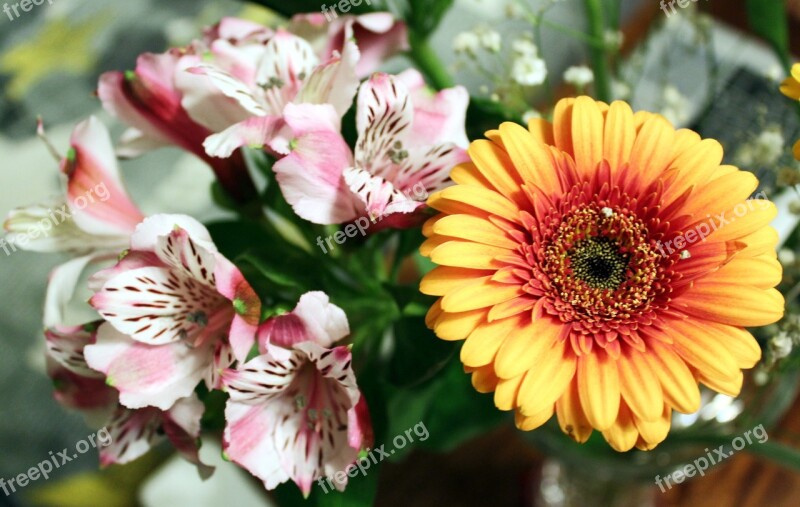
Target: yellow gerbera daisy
{"points": [[791, 88], [599, 268]]}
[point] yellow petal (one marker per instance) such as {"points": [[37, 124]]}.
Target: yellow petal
{"points": [[443, 279], [622, 435], [737, 305], [475, 229], [763, 272], [542, 131], [701, 350], [505, 396], [619, 135], [466, 254], [526, 347], [598, 383], [481, 198], [546, 383], [652, 150], [532, 159], [587, 135], [457, 326], [730, 387], [639, 386], [483, 343], [528, 423], [496, 166], [481, 293], [721, 193], [571, 416], [654, 432], [468, 174], [677, 382]]}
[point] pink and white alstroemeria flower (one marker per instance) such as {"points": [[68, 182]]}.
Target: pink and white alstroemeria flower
{"points": [[177, 312], [127, 434], [378, 35], [295, 412], [96, 213], [408, 141], [149, 101], [287, 71]]}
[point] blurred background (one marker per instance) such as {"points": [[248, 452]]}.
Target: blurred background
{"points": [[50, 59]]}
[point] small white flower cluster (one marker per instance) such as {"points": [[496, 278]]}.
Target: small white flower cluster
{"points": [[676, 106], [779, 347], [527, 69], [579, 76], [471, 42], [763, 151]]}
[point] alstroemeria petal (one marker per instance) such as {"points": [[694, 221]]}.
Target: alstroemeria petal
{"points": [[95, 194], [147, 375], [311, 179]]}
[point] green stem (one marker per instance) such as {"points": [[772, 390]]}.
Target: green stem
{"points": [[600, 65], [429, 62]]}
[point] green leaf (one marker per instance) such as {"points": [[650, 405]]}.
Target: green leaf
{"points": [[777, 452], [418, 353], [457, 400], [424, 16], [768, 20]]}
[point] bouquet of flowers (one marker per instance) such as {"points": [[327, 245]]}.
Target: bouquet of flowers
{"points": [[590, 269]]}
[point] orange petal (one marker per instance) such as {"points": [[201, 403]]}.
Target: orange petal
{"points": [[639, 386], [468, 174], [652, 150], [531, 422], [545, 384], [532, 159], [571, 416], [619, 135], [505, 396], [526, 347], [622, 435], [654, 432], [542, 131], [457, 326], [677, 382], [734, 304], [598, 383], [587, 135], [481, 198], [483, 379], [496, 166], [482, 344], [701, 350], [562, 125], [475, 229], [481, 293], [466, 254], [443, 279]]}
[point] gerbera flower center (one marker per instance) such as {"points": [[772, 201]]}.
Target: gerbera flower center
{"points": [[598, 262], [601, 265]]}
